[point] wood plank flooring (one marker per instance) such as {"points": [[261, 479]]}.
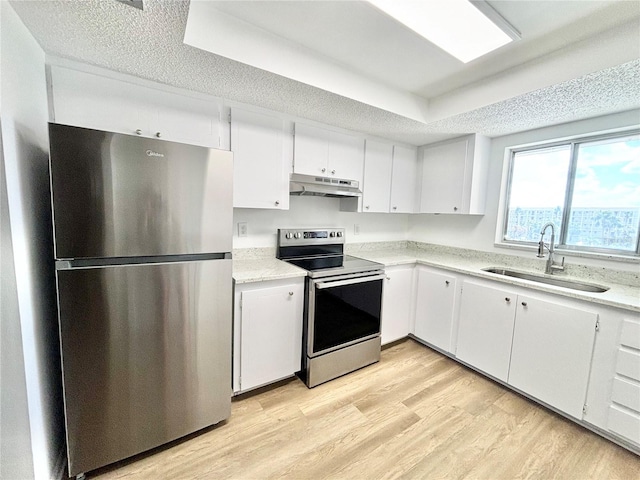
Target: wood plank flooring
{"points": [[415, 414]]}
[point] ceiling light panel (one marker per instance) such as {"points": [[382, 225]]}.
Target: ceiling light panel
{"points": [[456, 26]]}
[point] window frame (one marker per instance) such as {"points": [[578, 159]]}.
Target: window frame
{"points": [[562, 229]]}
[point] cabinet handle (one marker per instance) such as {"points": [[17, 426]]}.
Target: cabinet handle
{"points": [[507, 299], [524, 304], [455, 209], [277, 203], [446, 282], [389, 278], [291, 294], [324, 170], [333, 172], [158, 134], [138, 132], [395, 208], [367, 207]]}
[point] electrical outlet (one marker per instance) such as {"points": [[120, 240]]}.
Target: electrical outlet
{"points": [[356, 229], [242, 229]]}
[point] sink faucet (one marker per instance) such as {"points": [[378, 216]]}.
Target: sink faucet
{"points": [[551, 265]]}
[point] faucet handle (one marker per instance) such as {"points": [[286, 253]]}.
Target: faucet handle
{"points": [[560, 267], [540, 249]]}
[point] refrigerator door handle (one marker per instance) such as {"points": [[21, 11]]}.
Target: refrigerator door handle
{"points": [[113, 261]]}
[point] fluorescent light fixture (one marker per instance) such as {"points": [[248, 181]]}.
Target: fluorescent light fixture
{"points": [[462, 28]]}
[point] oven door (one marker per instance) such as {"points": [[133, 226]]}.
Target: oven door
{"points": [[343, 310]]}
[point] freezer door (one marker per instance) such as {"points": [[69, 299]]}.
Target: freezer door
{"points": [[118, 195], [146, 353]]}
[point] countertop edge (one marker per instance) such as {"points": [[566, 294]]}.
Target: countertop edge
{"points": [[270, 269], [474, 269]]}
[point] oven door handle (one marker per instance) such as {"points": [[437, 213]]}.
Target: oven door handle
{"points": [[320, 285]]}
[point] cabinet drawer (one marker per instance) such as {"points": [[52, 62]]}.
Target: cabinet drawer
{"points": [[624, 423], [630, 335], [626, 393], [628, 364]]}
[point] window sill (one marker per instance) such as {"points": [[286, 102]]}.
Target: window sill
{"points": [[573, 253]]}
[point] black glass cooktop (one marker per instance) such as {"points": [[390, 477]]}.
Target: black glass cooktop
{"points": [[324, 266]]}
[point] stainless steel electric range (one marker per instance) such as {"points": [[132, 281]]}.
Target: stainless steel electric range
{"points": [[343, 303]]}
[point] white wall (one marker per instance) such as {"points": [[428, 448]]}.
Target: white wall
{"points": [[15, 435], [478, 232], [32, 327], [316, 212]]}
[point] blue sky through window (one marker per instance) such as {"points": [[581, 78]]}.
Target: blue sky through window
{"points": [[605, 206]]}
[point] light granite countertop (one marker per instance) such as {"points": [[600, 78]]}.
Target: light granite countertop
{"points": [[264, 269], [255, 265]]}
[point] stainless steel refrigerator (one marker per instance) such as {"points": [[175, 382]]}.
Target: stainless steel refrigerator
{"points": [[143, 239]]}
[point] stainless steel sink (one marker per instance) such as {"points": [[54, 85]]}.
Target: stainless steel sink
{"points": [[558, 282]]}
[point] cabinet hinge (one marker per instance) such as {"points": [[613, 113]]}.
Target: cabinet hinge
{"points": [[229, 118], [597, 325], [584, 409]]}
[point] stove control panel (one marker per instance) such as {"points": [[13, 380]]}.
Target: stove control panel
{"points": [[291, 236]]}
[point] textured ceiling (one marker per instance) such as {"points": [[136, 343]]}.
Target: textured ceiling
{"points": [[611, 90], [149, 44]]}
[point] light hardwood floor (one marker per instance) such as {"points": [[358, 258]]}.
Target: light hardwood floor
{"points": [[415, 414]]}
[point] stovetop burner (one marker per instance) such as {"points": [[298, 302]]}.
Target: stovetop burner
{"points": [[320, 252]]}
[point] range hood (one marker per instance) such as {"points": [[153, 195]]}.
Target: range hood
{"points": [[323, 186]]}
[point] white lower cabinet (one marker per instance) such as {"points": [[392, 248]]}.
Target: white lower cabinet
{"points": [[551, 353], [267, 332], [485, 327], [436, 300], [613, 398], [539, 345], [397, 303]]}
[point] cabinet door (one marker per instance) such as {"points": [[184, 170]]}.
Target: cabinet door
{"points": [[346, 156], [623, 414], [92, 101], [403, 180], [396, 304], [184, 119], [260, 179], [271, 334], [376, 187], [435, 307], [310, 150], [443, 178], [485, 328], [551, 354]]}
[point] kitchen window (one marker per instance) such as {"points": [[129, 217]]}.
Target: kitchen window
{"points": [[588, 187]]}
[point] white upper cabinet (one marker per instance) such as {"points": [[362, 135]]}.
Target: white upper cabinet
{"points": [[327, 153], [403, 180], [454, 176], [376, 188], [260, 178], [93, 101]]}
